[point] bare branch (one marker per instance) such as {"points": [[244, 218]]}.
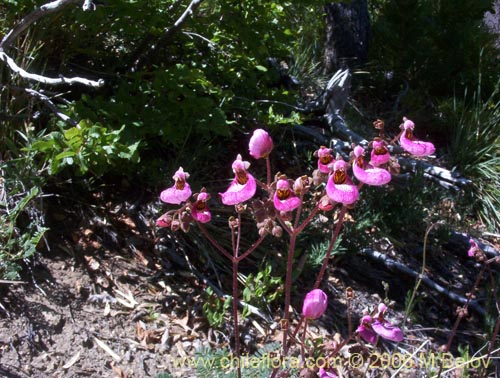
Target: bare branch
{"points": [[34, 16], [191, 8], [47, 80], [47, 101], [23, 25]]}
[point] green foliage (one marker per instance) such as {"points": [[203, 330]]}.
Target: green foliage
{"points": [[434, 45], [87, 147], [398, 212], [217, 363], [474, 151], [202, 85], [317, 254], [262, 289], [215, 308], [21, 221]]}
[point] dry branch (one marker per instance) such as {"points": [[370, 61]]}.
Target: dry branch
{"points": [[47, 101], [401, 268], [22, 26], [167, 36]]}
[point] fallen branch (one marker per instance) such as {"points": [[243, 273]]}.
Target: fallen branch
{"points": [[22, 26], [47, 101], [401, 268], [462, 240]]}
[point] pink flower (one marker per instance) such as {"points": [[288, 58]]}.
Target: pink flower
{"points": [[261, 144], [365, 330], [339, 186], [384, 328], [164, 221], [325, 158], [366, 173], [327, 373], [199, 210], [284, 197], [243, 187], [180, 191], [474, 248], [315, 304], [326, 204], [380, 153], [409, 144]]}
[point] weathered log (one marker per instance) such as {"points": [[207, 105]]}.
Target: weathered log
{"points": [[394, 265], [462, 241]]}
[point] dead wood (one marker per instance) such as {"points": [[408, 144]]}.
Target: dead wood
{"points": [[394, 265]]}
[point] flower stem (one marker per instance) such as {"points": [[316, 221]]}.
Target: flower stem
{"points": [[235, 313], [461, 313], [330, 247], [421, 275], [268, 170], [288, 288]]}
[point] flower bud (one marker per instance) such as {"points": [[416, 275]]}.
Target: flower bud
{"points": [[164, 221], [277, 231], [261, 144], [315, 304]]}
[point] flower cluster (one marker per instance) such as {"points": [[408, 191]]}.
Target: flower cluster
{"points": [[280, 209], [287, 195]]}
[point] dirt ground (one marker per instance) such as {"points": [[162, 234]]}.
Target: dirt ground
{"points": [[114, 298]]}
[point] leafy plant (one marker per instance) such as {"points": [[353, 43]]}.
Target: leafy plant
{"points": [[215, 308], [262, 289], [21, 225], [87, 147], [316, 255]]}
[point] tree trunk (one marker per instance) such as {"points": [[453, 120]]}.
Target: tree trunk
{"points": [[347, 35]]}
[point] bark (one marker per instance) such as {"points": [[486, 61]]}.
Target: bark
{"points": [[347, 34]]}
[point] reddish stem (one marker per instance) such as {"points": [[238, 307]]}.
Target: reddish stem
{"points": [[330, 247]]}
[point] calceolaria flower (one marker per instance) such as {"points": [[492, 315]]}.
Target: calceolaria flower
{"points": [[384, 328], [284, 197], [410, 144], [339, 187], [315, 304], [366, 331], [180, 191], [243, 187], [366, 173], [380, 153], [199, 210], [475, 251], [260, 145], [325, 159]]}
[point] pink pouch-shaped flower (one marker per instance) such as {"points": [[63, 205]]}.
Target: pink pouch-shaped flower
{"points": [[180, 191], [315, 304], [366, 173], [284, 197], [200, 211], [409, 144], [339, 187], [243, 187]]}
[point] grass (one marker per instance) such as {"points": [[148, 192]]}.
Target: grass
{"points": [[474, 151]]}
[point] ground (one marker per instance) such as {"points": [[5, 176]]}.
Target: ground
{"points": [[112, 297]]}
